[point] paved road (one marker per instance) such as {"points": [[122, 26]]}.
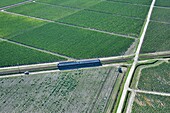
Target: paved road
{"points": [[105, 61], [33, 73], [127, 83], [45, 65], [53, 65]]}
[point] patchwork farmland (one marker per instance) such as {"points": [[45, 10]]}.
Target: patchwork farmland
{"points": [[75, 29], [151, 88], [115, 56]]}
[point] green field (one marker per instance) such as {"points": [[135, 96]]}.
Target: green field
{"points": [[155, 78], [4, 3], [106, 22], [78, 91], [11, 24], [145, 103], [164, 3], [121, 9], [143, 2], [157, 38], [40, 11], [72, 3], [13, 55], [74, 42], [161, 14]]}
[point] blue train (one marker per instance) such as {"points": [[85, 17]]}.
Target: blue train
{"points": [[79, 64]]}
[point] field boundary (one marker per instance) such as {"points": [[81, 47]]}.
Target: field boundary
{"points": [[88, 9], [72, 25], [15, 5], [55, 5], [132, 90], [127, 3], [37, 49], [160, 22]]}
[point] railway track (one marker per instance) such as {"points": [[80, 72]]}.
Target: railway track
{"points": [[53, 65]]}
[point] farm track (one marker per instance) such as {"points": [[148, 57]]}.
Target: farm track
{"points": [[160, 22], [135, 89], [162, 7], [155, 54], [133, 92], [150, 92], [136, 58], [14, 5], [75, 26], [130, 103], [159, 59], [144, 67], [37, 49]]}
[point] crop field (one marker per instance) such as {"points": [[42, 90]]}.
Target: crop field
{"points": [[156, 41], [78, 91], [106, 22], [129, 39], [122, 9], [161, 14], [40, 10], [73, 42], [12, 24], [74, 29], [157, 36], [12, 55], [164, 3], [146, 103], [143, 2], [72, 3], [4, 3], [155, 78]]}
